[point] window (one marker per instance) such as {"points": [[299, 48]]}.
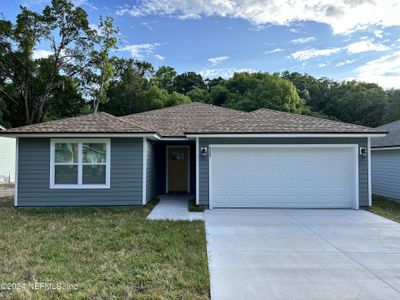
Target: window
{"points": [[78, 163]]}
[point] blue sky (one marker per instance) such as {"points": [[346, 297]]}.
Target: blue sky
{"points": [[349, 39]]}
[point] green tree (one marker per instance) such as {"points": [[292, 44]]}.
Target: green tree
{"points": [[186, 82], [251, 91], [102, 69], [164, 78], [392, 110], [358, 103], [66, 29], [199, 95], [66, 101], [176, 99]]}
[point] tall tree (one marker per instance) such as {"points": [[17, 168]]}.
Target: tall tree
{"points": [[102, 68], [186, 82], [164, 78], [392, 110], [66, 29], [251, 91]]}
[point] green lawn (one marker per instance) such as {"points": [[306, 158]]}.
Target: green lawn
{"points": [[386, 208], [109, 253]]}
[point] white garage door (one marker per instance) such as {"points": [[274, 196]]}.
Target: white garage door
{"points": [[292, 176]]}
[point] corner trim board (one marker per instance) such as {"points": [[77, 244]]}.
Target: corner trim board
{"points": [[16, 172], [197, 172], [369, 172], [144, 179]]}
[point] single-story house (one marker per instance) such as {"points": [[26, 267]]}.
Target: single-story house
{"points": [[7, 158], [224, 157], [386, 162]]}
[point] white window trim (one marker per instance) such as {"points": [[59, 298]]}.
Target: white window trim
{"points": [[80, 185]]}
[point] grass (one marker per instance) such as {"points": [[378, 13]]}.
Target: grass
{"points": [[386, 208], [193, 207], [108, 253]]}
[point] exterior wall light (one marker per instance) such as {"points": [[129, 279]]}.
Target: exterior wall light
{"points": [[204, 151], [363, 151]]}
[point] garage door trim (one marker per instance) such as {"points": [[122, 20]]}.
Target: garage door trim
{"points": [[355, 204]]}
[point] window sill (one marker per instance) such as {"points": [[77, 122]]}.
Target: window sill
{"points": [[79, 187]]}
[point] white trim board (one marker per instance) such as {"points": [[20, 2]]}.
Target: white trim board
{"points": [[144, 175], [354, 147], [166, 165], [80, 185], [286, 135], [16, 172], [386, 148], [197, 171], [77, 135], [369, 172], [216, 146]]}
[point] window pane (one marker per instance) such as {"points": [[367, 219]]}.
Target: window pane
{"points": [[66, 174], [66, 153], [94, 153], [94, 174]]}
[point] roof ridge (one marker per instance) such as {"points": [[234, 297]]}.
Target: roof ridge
{"points": [[182, 105], [128, 122]]}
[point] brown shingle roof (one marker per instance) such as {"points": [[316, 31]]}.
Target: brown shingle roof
{"points": [[200, 118], [273, 121], [100, 122], [176, 120], [196, 118]]}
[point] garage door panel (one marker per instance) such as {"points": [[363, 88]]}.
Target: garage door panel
{"points": [[283, 177]]}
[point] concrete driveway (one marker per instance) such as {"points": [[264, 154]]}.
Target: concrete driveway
{"points": [[302, 254]]}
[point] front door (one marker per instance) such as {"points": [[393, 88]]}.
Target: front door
{"points": [[178, 169]]}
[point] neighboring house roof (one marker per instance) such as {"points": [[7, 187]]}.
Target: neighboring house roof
{"points": [[392, 139], [100, 122], [197, 118]]}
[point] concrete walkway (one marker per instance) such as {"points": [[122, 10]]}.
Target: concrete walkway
{"points": [[175, 208], [302, 254]]}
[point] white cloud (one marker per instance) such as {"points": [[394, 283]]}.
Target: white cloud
{"points": [[346, 62], [303, 40], [342, 15], [384, 71], [224, 73], [356, 47], [364, 46], [379, 33], [274, 51], [141, 50], [159, 57], [40, 53], [217, 60], [322, 65], [313, 53]]}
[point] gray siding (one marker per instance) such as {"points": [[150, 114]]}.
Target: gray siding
{"points": [[34, 176], [203, 161], [385, 173], [151, 180]]}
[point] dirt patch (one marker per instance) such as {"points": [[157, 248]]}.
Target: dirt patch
{"points": [[6, 191]]}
